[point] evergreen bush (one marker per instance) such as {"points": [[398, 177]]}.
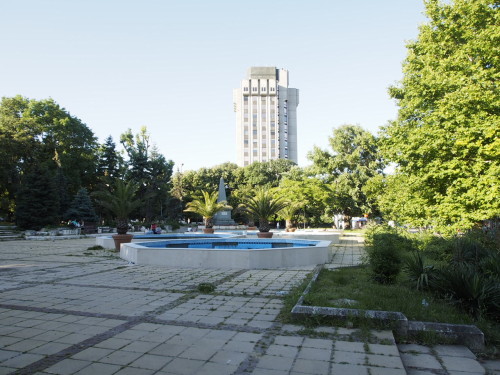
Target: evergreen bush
{"points": [[37, 203], [385, 252], [81, 208]]}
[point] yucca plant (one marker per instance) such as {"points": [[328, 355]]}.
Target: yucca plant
{"points": [[417, 271], [263, 206], [207, 206], [474, 292]]}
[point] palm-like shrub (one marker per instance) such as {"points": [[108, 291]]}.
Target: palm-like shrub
{"points": [[475, 292], [262, 206], [417, 271], [207, 206], [121, 201], [288, 213]]}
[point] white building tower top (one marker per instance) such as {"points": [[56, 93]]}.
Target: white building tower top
{"points": [[266, 116]]}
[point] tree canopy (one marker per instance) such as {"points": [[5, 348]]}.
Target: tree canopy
{"points": [[446, 139], [40, 132], [354, 160]]}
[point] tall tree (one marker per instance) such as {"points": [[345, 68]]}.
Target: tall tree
{"points": [[41, 132], [150, 170], [37, 200], [110, 162], [446, 140], [354, 159], [82, 208]]}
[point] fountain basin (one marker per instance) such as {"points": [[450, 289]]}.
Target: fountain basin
{"points": [[108, 243], [229, 253]]}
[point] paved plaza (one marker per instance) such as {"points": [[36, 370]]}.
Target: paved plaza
{"points": [[68, 310]]}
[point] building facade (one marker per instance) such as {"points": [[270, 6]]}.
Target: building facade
{"points": [[266, 116]]}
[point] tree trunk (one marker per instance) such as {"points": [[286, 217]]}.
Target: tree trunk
{"points": [[209, 222]]}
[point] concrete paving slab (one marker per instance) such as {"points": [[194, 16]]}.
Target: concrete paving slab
{"points": [[461, 364], [68, 312], [418, 361]]}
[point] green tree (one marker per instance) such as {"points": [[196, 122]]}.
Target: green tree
{"points": [[110, 162], [41, 132], [207, 206], [313, 198], [263, 206], [150, 170], [81, 208], [267, 173], [354, 159], [37, 201], [121, 200], [446, 140]]}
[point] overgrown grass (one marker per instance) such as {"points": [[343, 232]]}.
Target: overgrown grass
{"points": [[354, 283]]}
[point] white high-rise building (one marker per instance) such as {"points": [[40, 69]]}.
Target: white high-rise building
{"points": [[266, 116]]}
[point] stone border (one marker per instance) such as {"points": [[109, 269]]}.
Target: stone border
{"points": [[468, 335]]}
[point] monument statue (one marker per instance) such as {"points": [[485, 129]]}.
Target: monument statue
{"points": [[223, 217]]}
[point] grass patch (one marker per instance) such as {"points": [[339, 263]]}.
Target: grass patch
{"points": [[333, 288], [95, 247], [206, 288]]}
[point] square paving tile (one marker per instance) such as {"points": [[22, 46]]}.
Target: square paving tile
{"points": [[87, 299], [226, 310]]}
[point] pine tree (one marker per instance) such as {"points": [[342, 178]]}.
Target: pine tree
{"points": [[81, 208], [37, 200]]}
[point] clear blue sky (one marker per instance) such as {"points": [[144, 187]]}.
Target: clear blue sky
{"points": [[172, 65]]}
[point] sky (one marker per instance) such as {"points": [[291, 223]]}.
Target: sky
{"points": [[172, 65]]}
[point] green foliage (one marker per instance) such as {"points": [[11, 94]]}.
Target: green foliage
{"points": [[263, 205], [417, 271], [207, 206], [37, 202], [95, 247], [333, 287], [81, 208], [41, 132], [473, 291], [150, 170], [121, 201], [110, 162], [463, 268], [314, 199], [206, 288], [353, 161], [446, 140], [386, 249]]}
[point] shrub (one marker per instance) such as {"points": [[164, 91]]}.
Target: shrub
{"points": [[385, 252], [174, 223], [476, 293], [467, 250], [435, 247], [417, 271], [206, 287]]}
